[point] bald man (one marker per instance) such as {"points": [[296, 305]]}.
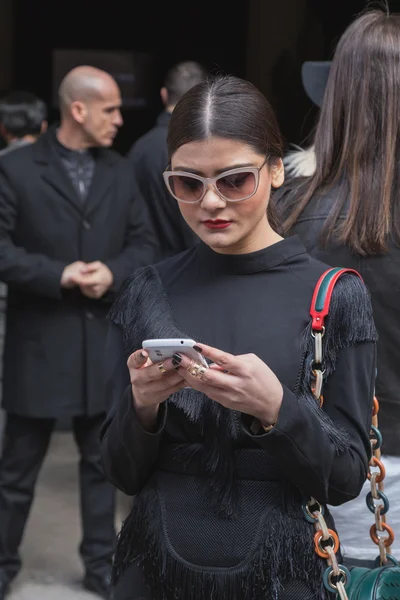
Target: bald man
{"points": [[72, 227], [90, 103]]}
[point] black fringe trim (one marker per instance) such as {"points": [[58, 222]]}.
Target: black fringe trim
{"points": [[143, 310], [285, 553], [350, 322]]}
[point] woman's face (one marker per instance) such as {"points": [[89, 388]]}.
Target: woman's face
{"points": [[228, 227]]}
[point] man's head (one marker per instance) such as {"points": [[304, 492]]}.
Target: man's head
{"points": [[90, 100], [22, 115], [179, 80]]}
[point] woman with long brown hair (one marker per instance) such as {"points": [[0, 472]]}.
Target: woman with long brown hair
{"points": [[347, 213]]}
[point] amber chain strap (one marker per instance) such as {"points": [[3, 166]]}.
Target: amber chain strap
{"points": [[326, 542], [337, 577], [381, 533]]}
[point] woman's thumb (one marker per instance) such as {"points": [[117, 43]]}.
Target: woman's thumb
{"points": [[138, 359]]}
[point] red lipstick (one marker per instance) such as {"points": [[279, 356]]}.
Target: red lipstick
{"points": [[217, 224]]}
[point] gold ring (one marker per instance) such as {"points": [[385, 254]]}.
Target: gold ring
{"points": [[196, 369], [191, 366], [162, 369], [200, 372]]}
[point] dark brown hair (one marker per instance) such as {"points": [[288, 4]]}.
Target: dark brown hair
{"points": [[357, 140], [230, 108]]}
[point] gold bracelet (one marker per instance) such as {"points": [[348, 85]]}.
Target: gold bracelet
{"points": [[267, 428]]}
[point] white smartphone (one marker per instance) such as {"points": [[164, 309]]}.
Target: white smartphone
{"points": [[160, 349]]}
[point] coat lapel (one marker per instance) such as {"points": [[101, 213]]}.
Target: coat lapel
{"points": [[53, 172], [103, 177], [56, 176]]}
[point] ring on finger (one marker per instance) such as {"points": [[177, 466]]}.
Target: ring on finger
{"points": [[191, 366], [200, 372], [162, 369], [196, 369]]}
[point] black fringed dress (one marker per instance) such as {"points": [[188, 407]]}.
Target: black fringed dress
{"points": [[217, 513]]}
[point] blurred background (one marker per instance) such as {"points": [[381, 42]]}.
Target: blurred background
{"points": [[264, 41]]}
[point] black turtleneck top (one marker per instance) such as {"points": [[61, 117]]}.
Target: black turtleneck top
{"points": [[256, 303]]}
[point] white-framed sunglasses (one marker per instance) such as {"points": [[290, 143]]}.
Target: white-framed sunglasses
{"points": [[234, 185]]}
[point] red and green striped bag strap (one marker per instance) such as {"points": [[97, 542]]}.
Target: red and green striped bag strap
{"points": [[322, 296], [319, 310]]}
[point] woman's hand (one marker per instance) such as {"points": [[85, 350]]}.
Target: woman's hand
{"points": [[151, 385], [243, 383]]}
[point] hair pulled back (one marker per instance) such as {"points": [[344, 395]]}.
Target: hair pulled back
{"points": [[227, 107]]}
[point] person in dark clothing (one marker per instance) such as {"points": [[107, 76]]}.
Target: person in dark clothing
{"points": [[72, 228], [347, 213], [23, 117], [220, 460], [149, 158]]}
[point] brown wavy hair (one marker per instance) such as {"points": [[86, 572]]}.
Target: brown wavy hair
{"points": [[357, 139]]}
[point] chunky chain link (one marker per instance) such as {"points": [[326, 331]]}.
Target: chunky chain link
{"points": [[326, 541], [336, 576], [381, 533], [317, 366]]}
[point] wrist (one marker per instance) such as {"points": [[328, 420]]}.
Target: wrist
{"points": [[267, 428], [65, 281], [110, 276], [269, 419], [147, 415], [63, 277]]}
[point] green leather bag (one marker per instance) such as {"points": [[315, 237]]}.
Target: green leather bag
{"points": [[383, 582]]}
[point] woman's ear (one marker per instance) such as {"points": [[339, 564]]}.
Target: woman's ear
{"points": [[277, 171]]}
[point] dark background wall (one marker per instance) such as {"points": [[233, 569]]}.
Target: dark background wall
{"points": [[282, 38], [265, 41], [170, 31]]}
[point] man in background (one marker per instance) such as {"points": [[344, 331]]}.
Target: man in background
{"points": [[149, 158], [72, 227], [23, 117]]}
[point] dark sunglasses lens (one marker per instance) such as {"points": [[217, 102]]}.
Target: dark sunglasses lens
{"points": [[186, 188], [237, 186]]}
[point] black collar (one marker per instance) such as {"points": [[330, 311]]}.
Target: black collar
{"points": [[255, 262]]}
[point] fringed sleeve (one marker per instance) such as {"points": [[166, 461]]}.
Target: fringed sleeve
{"points": [[325, 452], [142, 310], [129, 452]]}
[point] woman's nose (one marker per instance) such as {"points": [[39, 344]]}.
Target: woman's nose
{"points": [[212, 200]]}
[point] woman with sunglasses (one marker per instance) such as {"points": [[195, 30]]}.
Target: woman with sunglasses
{"points": [[221, 460]]}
